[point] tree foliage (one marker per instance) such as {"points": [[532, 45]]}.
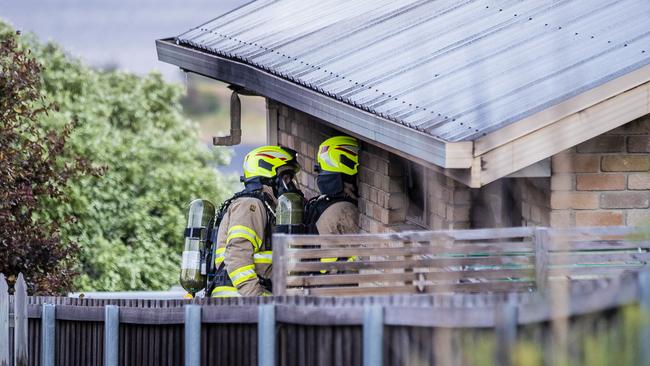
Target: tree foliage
{"points": [[30, 173], [131, 219]]}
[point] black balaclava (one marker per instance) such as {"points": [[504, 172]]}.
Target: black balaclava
{"points": [[253, 184], [331, 184]]}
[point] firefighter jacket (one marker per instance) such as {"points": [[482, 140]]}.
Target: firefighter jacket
{"points": [[339, 218], [241, 247], [333, 216]]}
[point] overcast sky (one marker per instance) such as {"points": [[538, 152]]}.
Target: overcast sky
{"points": [[114, 32]]}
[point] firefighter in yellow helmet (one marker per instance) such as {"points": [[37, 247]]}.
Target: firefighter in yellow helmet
{"points": [[242, 257], [335, 210]]}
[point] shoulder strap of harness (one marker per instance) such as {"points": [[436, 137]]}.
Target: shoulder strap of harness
{"points": [[266, 201]]}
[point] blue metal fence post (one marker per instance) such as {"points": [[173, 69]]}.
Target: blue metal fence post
{"points": [[48, 323], [373, 335], [21, 339], [266, 335], [192, 335], [4, 321], [506, 320], [111, 335], [644, 309]]}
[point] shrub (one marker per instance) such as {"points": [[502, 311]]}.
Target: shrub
{"points": [[130, 220], [31, 173]]}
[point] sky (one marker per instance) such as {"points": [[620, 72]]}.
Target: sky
{"points": [[114, 32], [122, 33]]}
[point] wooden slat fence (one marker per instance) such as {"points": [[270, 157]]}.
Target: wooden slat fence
{"points": [[510, 259], [443, 329]]}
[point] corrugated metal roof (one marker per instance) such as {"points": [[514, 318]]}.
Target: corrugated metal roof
{"points": [[454, 69]]}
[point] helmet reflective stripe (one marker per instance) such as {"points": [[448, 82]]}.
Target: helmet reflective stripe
{"points": [[225, 291], [339, 154], [264, 161], [242, 274], [354, 150], [273, 154], [219, 255], [263, 257], [325, 156], [241, 231]]}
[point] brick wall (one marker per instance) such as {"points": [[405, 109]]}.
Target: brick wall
{"points": [[533, 197], [449, 203], [604, 181], [383, 201]]}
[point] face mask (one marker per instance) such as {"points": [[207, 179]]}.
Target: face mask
{"points": [[286, 183]]}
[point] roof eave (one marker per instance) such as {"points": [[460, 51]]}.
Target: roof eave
{"points": [[560, 134], [367, 126]]}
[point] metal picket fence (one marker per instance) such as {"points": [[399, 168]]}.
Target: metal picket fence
{"points": [[368, 330]]}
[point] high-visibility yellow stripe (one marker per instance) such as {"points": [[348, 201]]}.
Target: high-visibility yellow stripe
{"points": [[242, 274], [328, 260], [241, 231], [263, 257], [219, 255], [331, 260], [225, 291]]}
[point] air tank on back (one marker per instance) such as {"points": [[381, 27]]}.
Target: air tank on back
{"points": [[200, 217], [289, 212]]}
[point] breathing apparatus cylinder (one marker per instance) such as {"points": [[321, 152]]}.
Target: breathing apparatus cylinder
{"points": [[193, 267], [289, 212]]}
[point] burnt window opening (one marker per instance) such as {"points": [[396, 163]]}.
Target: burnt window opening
{"points": [[415, 186]]}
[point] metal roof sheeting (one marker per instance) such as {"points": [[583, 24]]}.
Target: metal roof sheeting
{"points": [[454, 69]]}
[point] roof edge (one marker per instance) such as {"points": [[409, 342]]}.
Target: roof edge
{"points": [[455, 155], [561, 111], [563, 134]]}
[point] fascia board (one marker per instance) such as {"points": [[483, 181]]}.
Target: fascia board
{"points": [[350, 118], [561, 110], [561, 135]]}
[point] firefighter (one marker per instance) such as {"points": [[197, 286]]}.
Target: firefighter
{"points": [[243, 252], [335, 210]]}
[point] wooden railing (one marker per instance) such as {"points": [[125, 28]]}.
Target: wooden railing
{"points": [[511, 259]]}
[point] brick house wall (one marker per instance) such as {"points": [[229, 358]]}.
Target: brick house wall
{"points": [[533, 195], [604, 181], [383, 200]]}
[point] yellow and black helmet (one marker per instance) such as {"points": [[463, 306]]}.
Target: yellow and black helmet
{"points": [[265, 160], [339, 154]]}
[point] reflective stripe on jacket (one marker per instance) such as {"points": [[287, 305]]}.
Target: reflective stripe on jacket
{"points": [[241, 247]]}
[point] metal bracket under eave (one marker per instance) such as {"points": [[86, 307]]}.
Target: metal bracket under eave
{"points": [[234, 138]]}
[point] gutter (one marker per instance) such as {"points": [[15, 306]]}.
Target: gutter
{"points": [[368, 127]]}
